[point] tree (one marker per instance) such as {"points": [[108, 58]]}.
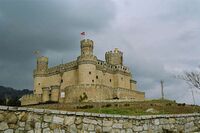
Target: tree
{"points": [[192, 78]]}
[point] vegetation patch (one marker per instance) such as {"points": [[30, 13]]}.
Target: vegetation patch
{"points": [[126, 108]]}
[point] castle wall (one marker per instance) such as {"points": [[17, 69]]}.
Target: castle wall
{"points": [[122, 81], [73, 93], [100, 92], [40, 82], [105, 78], [129, 94], [86, 74], [31, 99], [133, 85], [69, 78], [29, 120], [113, 80], [52, 80]]}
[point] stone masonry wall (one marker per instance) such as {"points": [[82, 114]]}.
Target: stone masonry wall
{"points": [[96, 92], [21, 120]]}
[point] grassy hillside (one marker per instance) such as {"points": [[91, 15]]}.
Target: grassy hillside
{"points": [[126, 108]]}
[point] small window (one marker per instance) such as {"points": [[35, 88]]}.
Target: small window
{"points": [[90, 73], [38, 83], [61, 81], [92, 81], [110, 80], [97, 77]]}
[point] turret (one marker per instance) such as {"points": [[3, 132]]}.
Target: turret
{"points": [[55, 90], [87, 63], [86, 47], [39, 74], [42, 64], [114, 57], [46, 94]]}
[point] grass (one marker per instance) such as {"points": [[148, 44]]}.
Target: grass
{"points": [[121, 111], [126, 108]]}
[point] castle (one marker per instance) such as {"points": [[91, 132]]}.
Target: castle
{"points": [[85, 79]]}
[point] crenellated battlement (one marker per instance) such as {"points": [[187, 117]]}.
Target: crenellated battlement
{"points": [[114, 57], [102, 65], [86, 43], [58, 69], [87, 46], [115, 51]]}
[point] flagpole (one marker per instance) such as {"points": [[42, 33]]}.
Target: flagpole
{"points": [[83, 35]]}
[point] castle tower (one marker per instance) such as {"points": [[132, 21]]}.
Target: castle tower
{"points": [[55, 90], [46, 94], [42, 64], [86, 47], [39, 74], [114, 57], [87, 63]]}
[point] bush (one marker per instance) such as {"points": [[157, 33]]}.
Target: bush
{"points": [[107, 105], [85, 107], [168, 104], [181, 104], [83, 97]]}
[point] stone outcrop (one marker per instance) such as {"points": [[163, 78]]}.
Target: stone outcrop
{"points": [[20, 119]]}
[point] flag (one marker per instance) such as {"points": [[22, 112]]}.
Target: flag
{"points": [[36, 52], [83, 33]]}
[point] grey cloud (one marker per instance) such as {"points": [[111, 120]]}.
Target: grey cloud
{"points": [[49, 25], [159, 38]]}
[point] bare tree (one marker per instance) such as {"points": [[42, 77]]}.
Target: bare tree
{"points": [[192, 78]]}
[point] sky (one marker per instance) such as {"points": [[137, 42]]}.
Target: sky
{"points": [[159, 39]]}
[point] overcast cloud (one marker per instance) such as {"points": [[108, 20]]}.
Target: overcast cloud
{"points": [[159, 38]]}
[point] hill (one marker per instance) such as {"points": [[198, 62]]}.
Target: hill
{"points": [[12, 95], [126, 108]]}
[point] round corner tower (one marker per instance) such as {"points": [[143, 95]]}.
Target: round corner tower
{"points": [[42, 64], [114, 57], [87, 63], [39, 74]]}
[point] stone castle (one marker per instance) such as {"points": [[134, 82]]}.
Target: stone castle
{"points": [[86, 79]]}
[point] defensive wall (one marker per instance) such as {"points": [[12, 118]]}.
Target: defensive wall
{"points": [[20, 120], [95, 93], [73, 93]]}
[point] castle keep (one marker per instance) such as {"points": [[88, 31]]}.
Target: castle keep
{"points": [[85, 79]]}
